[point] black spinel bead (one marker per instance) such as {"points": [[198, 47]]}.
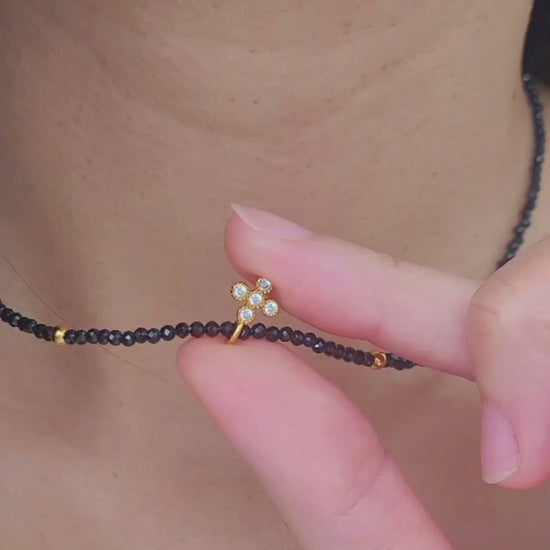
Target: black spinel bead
{"points": [[5, 315], [128, 338], [319, 345], [140, 335], [115, 337], [29, 325], [182, 330], [80, 337], [340, 351], [359, 358], [167, 332], [212, 329], [286, 334], [525, 223], [227, 328], [272, 334], [153, 335], [394, 361], [14, 318], [330, 349], [47, 333], [92, 335], [245, 333], [21, 323], [103, 337], [349, 355], [38, 331], [70, 337], [399, 363], [309, 339], [197, 329], [369, 359], [297, 338], [258, 331]]}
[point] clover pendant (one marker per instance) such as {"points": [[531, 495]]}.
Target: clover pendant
{"points": [[256, 299]]}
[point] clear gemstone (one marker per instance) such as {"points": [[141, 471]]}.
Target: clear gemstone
{"points": [[246, 314], [239, 291], [264, 285], [256, 299], [271, 308]]}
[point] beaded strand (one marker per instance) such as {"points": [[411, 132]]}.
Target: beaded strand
{"points": [[375, 360], [197, 329]]}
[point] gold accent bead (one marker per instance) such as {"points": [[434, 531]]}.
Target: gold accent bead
{"points": [[59, 335], [380, 360]]}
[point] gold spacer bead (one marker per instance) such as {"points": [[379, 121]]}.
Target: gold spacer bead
{"points": [[59, 335], [380, 360]]}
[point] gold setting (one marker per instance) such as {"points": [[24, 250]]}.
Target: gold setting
{"points": [[266, 311], [59, 335], [236, 287], [242, 293], [380, 360], [255, 294]]}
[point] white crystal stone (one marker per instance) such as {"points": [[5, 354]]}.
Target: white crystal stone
{"points": [[239, 291], [246, 314], [264, 285], [271, 308], [256, 299]]}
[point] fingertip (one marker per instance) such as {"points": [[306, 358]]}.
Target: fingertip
{"points": [[237, 239], [231, 227], [213, 353], [202, 359], [518, 482], [217, 372], [191, 352]]}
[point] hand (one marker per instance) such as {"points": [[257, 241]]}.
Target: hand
{"points": [[316, 455]]}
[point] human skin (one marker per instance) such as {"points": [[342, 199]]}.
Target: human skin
{"points": [[318, 458], [125, 133]]}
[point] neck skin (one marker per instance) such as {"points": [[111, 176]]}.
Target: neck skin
{"points": [[126, 132]]}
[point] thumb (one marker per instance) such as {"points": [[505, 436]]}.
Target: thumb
{"points": [[315, 454], [508, 324]]}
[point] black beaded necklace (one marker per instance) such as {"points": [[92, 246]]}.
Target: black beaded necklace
{"points": [[257, 298]]}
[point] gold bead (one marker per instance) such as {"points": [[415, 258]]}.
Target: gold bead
{"points": [[59, 335], [380, 360]]}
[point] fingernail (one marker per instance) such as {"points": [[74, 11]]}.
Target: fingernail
{"points": [[272, 225], [500, 456]]}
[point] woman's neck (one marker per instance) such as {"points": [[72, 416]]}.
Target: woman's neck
{"points": [[126, 131]]}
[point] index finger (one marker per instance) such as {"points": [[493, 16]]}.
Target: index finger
{"points": [[415, 311]]}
